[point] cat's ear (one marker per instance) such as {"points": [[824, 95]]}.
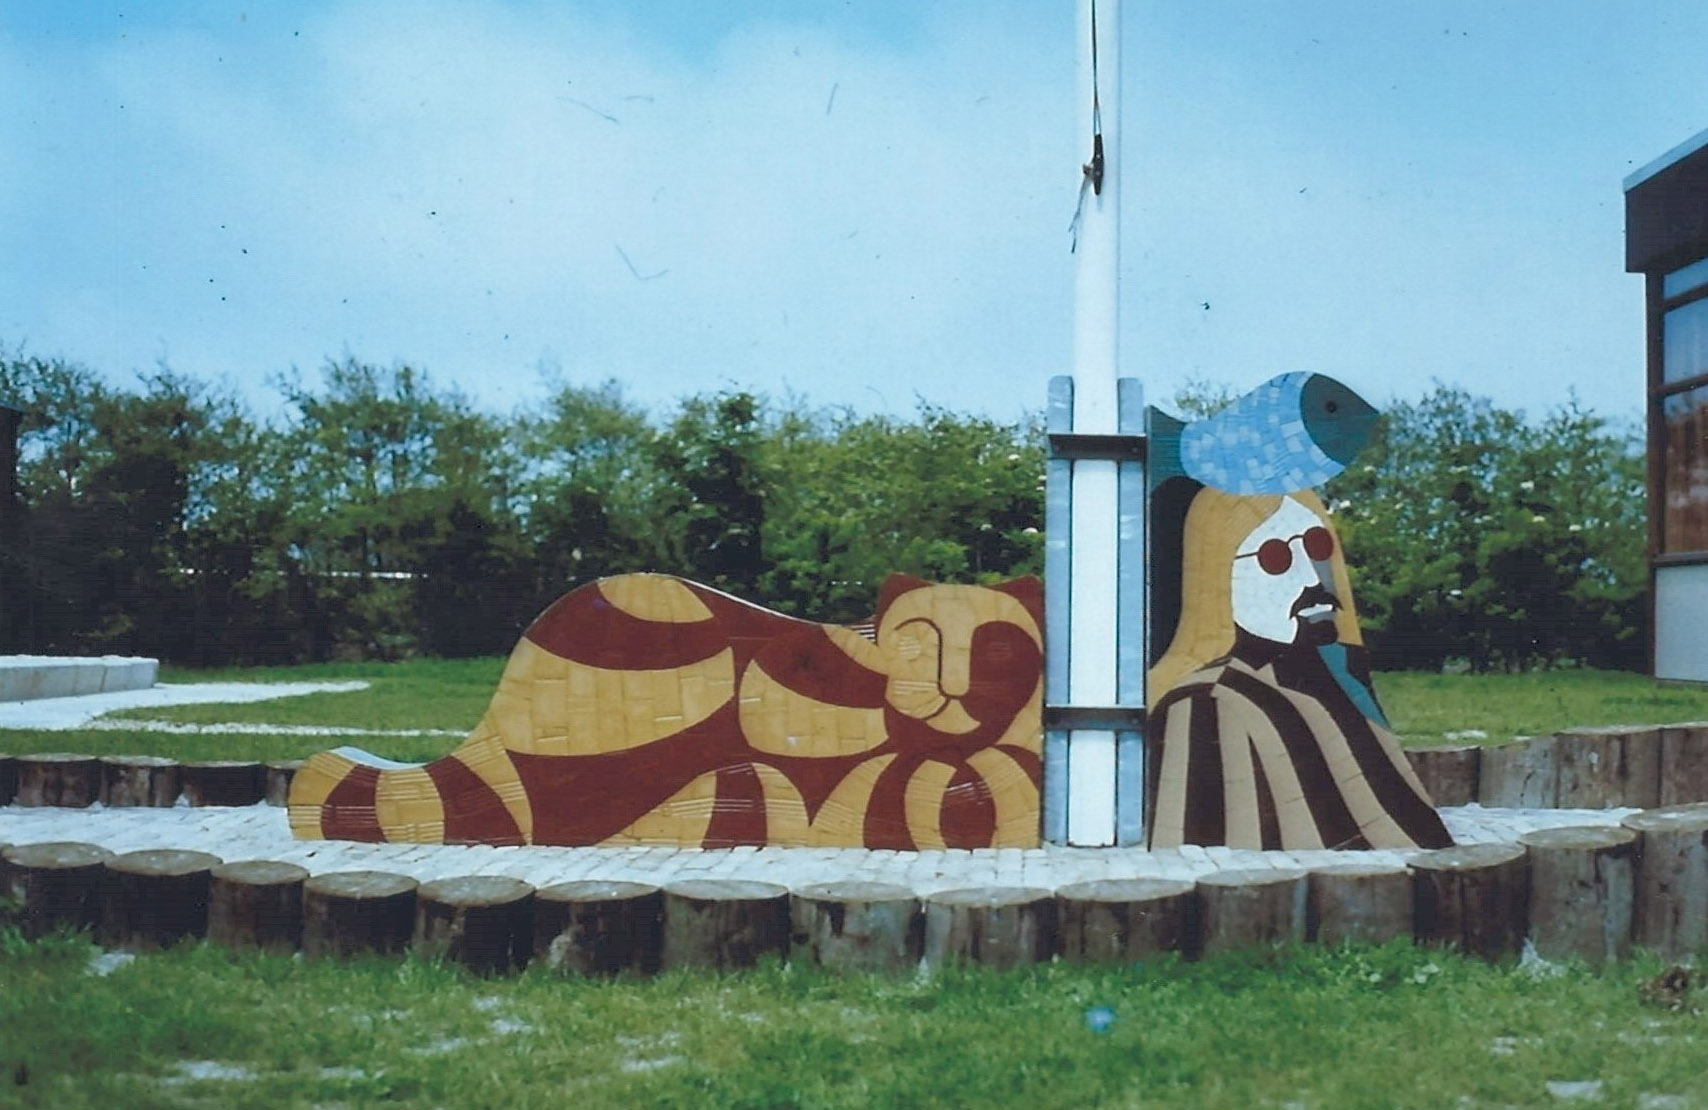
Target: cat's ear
{"points": [[1029, 591], [894, 586]]}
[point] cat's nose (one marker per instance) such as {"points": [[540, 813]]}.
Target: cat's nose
{"points": [[955, 671]]}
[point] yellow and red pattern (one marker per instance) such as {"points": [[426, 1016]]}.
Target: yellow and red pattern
{"points": [[647, 709]]}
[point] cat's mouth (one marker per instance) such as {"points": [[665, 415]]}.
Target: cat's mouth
{"points": [[927, 702], [953, 717]]}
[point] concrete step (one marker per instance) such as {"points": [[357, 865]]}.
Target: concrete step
{"points": [[31, 677]]}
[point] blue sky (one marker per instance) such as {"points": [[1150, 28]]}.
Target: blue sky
{"points": [[860, 202]]}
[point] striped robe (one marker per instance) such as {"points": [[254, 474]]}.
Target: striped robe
{"points": [[1274, 753]]}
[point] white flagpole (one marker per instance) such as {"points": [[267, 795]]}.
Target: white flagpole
{"points": [[1095, 519]]}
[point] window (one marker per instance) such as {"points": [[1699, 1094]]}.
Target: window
{"points": [[1684, 342], [1684, 471], [1686, 280], [1680, 410]]}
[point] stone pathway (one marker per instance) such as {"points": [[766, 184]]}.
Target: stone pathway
{"points": [[82, 711], [261, 832]]}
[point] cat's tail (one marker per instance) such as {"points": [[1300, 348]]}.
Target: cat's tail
{"points": [[471, 796]]}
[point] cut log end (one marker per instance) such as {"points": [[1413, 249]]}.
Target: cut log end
{"points": [[1450, 773], [725, 924], [856, 891], [139, 780], [57, 884], [599, 928], [1473, 897], [1363, 902], [1124, 920], [994, 926], [1577, 838], [596, 890], [261, 872], [1250, 909], [156, 897], [280, 773], [484, 922], [256, 904], [725, 890], [1582, 892], [1685, 818], [347, 913], [168, 862], [858, 926], [64, 779], [1671, 912], [55, 854], [224, 782], [1462, 857]]}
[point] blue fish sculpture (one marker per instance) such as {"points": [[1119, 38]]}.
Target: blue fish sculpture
{"points": [[1292, 432]]}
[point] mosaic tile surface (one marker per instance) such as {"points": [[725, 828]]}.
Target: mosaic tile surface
{"points": [[646, 709], [1292, 432], [1265, 729]]}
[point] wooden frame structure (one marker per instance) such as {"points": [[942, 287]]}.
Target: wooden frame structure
{"points": [[1123, 719]]}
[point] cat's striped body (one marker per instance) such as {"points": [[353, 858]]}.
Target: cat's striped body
{"points": [[649, 709]]}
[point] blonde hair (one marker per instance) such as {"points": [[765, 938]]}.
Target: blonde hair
{"points": [[1216, 524]]}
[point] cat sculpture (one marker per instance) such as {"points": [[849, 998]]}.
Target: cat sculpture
{"points": [[647, 709]]}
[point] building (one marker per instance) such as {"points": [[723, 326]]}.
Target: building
{"points": [[11, 578], [1666, 240], [9, 420]]}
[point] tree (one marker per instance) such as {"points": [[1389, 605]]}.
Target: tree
{"points": [[149, 452], [46, 581], [123, 491], [713, 453], [243, 582], [947, 497], [1479, 536], [595, 498], [386, 476]]}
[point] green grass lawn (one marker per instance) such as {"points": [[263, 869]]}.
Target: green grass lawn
{"points": [[452, 694], [1425, 707], [1361, 1027], [417, 693]]}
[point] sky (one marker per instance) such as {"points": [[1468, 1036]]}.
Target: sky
{"points": [[861, 204]]}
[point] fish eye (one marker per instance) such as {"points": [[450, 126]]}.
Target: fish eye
{"points": [[1333, 407]]}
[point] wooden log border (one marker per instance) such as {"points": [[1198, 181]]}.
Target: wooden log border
{"points": [[139, 780], [1661, 770], [1115, 922], [1602, 767], [224, 782], [1612, 766]]}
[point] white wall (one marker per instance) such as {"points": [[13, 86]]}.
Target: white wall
{"points": [[1681, 623]]}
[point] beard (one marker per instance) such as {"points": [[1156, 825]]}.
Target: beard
{"points": [[1319, 628]]}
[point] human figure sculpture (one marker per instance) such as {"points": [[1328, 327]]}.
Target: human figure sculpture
{"points": [[1265, 728]]}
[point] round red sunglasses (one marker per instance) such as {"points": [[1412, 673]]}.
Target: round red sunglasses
{"points": [[1276, 556]]}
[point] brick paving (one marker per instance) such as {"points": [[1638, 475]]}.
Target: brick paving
{"points": [[261, 832]]}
